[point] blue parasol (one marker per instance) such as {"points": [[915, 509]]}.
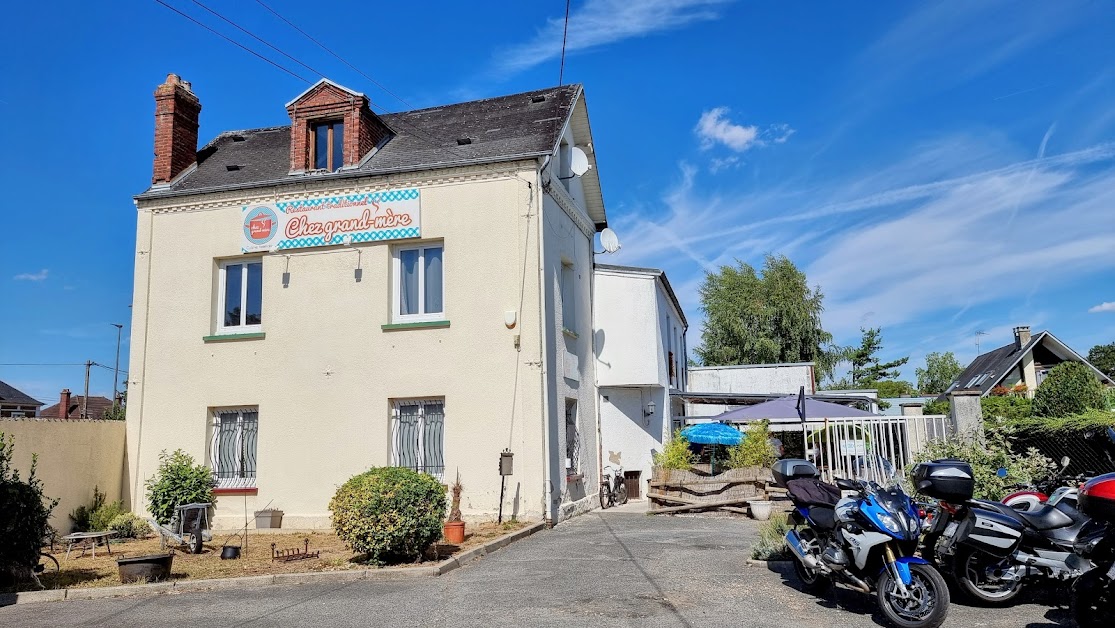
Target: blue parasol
{"points": [[712, 434]]}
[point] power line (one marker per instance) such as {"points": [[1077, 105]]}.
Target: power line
{"points": [[564, 38], [233, 41], [43, 364], [339, 57], [258, 38]]}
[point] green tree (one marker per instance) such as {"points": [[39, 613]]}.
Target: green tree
{"points": [[890, 389], [940, 370], [764, 318], [1103, 358], [866, 366], [1070, 388]]}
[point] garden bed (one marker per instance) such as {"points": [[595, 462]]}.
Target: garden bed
{"points": [[85, 571]]}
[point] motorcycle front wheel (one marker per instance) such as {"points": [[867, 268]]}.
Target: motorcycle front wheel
{"points": [[927, 604], [1092, 600], [621, 494], [970, 568]]}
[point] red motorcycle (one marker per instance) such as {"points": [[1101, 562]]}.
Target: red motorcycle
{"points": [[1093, 594]]}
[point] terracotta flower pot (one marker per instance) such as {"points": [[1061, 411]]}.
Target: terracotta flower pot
{"points": [[454, 532]]}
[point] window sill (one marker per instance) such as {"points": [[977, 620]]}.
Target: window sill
{"points": [[248, 490], [259, 335], [414, 325], [570, 333]]}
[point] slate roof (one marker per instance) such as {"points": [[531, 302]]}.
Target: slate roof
{"points": [[10, 395], [97, 408], [505, 128]]}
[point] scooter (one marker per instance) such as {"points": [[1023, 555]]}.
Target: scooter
{"points": [[866, 542]]}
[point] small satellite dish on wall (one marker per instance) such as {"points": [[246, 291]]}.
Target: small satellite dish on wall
{"points": [[609, 240], [578, 161]]}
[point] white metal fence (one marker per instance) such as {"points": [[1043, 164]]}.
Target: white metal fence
{"points": [[870, 448]]}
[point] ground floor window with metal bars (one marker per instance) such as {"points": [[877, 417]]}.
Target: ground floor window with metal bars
{"points": [[418, 435], [232, 449]]}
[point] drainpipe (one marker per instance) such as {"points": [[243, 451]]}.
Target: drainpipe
{"points": [[134, 493], [547, 483]]}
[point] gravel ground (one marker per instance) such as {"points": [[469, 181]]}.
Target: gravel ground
{"points": [[610, 569]]}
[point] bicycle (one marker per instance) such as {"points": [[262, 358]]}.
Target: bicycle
{"points": [[613, 489]]}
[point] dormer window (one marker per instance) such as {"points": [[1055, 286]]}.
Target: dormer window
{"points": [[328, 145]]}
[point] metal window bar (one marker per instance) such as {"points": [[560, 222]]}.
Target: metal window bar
{"points": [[418, 436], [233, 448]]}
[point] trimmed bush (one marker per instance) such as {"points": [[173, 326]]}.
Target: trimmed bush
{"points": [[177, 481], [23, 516], [1070, 388], [755, 449], [936, 407], [1006, 407], [772, 539], [129, 526], [390, 514], [675, 454]]}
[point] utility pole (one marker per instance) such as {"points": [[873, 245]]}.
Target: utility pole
{"points": [[116, 370], [85, 399]]}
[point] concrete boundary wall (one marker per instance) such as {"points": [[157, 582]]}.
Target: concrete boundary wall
{"points": [[75, 455]]}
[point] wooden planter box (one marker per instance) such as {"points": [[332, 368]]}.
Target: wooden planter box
{"points": [[673, 490]]}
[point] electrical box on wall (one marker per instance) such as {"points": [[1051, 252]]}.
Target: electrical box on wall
{"points": [[506, 462]]}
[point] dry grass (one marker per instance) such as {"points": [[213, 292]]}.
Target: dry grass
{"points": [[79, 571]]}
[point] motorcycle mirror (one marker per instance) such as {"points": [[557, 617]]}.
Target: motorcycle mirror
{"points": [[1002, 472], [1065, 463]]}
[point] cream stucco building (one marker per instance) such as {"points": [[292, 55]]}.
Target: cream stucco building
{"points": [[359, 290]]}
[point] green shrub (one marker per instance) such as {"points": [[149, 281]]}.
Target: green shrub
{"points": [[390, 514], [82, 516], [1070, 388], [1087, 421], [1109, 399], [102, 517], [177, 481], [23, 516], [987, 455], [755, 449], [772, 539], [1010, 408], [128, 526], [675, 454], [936, 406]]}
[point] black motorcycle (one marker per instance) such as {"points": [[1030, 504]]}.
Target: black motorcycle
{"points": [[991, 548]]}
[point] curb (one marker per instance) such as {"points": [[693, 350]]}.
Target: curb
{"points": [[352, 575]]}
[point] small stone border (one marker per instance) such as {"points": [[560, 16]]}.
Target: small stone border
{"points": [[352, 575]]}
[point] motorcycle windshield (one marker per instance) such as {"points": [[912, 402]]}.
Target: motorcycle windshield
{"points": [[895, 514]]}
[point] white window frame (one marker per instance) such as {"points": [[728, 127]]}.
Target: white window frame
{"points": [[215, 443], [568, 310], [221, 272], [396, 405], [397, 284]]}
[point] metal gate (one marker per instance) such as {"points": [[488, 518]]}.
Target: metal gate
{"points": [[870, 448]]}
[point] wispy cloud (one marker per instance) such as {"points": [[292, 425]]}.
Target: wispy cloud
{"points": [[597, 23], [39, 276], [714, 128], [1107, 306]]}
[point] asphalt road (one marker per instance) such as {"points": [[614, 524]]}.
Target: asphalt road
{"points": [[610, 569]]}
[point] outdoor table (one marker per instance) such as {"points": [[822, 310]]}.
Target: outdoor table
{"points": [[88, 540]]}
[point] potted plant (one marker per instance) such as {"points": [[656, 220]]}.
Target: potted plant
{"points": [[454, 528]]}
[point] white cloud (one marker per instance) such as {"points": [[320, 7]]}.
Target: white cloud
{"points": [[39, 276], [1107, 306], [713, 128], [716, 164], [598, 23]]}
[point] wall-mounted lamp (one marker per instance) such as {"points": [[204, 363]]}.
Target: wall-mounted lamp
{"points": [[649, 410]]}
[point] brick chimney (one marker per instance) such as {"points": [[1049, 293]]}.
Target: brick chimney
{"points": [[1021, 336], [177, 111], [64, 404], [328, 102]]}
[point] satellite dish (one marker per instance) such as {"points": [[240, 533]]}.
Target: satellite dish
{"points": [[578, 161], [609, 240]]}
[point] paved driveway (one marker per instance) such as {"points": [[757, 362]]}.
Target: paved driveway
{"points": [[611, 569]]}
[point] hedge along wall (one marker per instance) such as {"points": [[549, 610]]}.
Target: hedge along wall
{"points": [[75, 455], [1081, 438]]}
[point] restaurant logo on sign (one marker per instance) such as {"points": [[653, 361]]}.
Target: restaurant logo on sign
{"points": [[372, 217]]}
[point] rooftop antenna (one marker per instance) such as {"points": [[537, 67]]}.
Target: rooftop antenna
{"points": [[979, 332]]}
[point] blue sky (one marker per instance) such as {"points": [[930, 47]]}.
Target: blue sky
{"points": [[936, 168]]}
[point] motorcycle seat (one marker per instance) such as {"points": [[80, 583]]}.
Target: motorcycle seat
{"points": [[1046, 517]]}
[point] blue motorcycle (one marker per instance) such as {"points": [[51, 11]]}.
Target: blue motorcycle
{"points": [[866, 542]]}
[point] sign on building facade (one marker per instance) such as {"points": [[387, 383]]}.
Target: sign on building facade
{"points": [[371, 217]]}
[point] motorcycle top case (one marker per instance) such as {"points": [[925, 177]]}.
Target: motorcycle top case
{"points": [[1097, 498], [949, 480], [793, 469]]}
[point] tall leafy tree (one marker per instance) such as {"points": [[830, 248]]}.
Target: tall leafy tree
{"points": [[1103, 358], [940, 369], [867, 368], [766, 317]]}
